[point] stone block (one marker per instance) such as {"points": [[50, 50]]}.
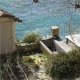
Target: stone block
{"points": [[54, 31]]}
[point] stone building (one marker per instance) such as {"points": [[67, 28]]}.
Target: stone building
{"points": [[7, 32]]}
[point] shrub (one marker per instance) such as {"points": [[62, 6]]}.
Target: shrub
{"points": [[64, 65], [17, 42], [31, 38]]}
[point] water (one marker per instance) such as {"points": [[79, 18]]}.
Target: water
{"points": [[39, 17]]}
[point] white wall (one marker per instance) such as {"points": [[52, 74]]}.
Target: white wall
{"points": [[7, 35], [13, 34]]}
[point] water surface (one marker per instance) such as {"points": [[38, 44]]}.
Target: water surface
{"points": [[39, 17]]}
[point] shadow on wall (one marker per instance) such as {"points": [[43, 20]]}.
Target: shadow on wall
{"points": [[47, 45]]}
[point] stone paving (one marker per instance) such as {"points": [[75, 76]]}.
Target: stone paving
{"points": [[40, 74]]}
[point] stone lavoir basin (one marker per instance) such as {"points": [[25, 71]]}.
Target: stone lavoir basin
{"points": [[52, 45]]}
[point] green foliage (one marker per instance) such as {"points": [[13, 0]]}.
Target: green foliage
{"points": [[34, 59], [9, 68], [17, 42], [31, 38], [64, 65]]}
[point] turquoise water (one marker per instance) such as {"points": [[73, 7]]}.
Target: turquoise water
{"points": [[39, 17]]}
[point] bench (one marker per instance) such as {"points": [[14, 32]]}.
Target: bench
{"points": [[62, 46]]}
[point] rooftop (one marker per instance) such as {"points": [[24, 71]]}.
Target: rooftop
{"points": [[9, 15]]}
